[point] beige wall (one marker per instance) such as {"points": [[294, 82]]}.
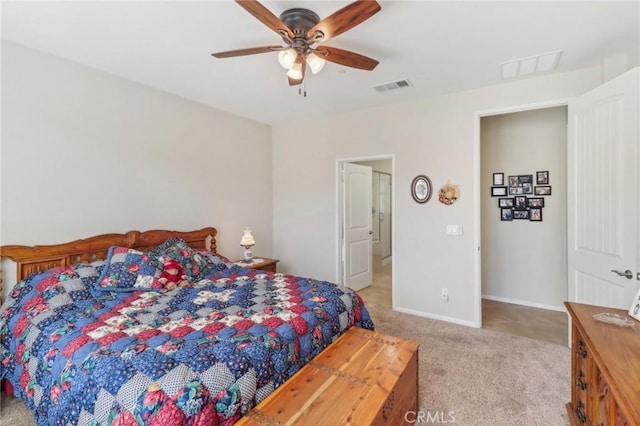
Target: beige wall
{"points": [[525, 262], [72, 133], [85, 152], [433, 136]]}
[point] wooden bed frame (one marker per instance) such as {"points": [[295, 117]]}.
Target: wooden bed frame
{"points": [[30, 259]]}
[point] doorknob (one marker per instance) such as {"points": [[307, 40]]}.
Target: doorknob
{"points": [[627, 274], [370, 232]]}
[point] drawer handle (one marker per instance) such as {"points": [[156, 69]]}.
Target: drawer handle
{"points": [[581, 351], [580, 413], [581, 383]]}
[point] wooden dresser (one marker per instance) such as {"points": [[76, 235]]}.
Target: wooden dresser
{"points": [[363, 378], [605, 369]]}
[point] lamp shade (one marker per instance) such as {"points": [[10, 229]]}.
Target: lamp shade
{"points": [[295, 72], [315, 62], [247, 238], [287, 58]]}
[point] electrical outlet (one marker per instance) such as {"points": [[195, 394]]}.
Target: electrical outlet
{"points": [[444, 294]]}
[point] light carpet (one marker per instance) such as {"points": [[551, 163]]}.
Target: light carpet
{"points": [[483, 377], [467, 376]]}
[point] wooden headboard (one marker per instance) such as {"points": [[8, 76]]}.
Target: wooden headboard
{"points": [[32, 259]]}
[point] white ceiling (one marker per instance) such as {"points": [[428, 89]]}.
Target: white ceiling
{"points": [[440, 47]]}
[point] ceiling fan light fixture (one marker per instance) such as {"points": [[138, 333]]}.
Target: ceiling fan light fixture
{"points": [[315, 62], [295, 72], [300, 29], [287, 58]]}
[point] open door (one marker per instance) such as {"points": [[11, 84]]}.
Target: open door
{"points": [[356, 224], [602, 193]]}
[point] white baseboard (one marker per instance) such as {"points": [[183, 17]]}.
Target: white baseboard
{"points": [[436, 317], [387, 260], [524, 303]]}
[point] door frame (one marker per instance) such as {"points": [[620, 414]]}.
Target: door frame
{"points": [[387, 259], [477, 190], [338, 215]]}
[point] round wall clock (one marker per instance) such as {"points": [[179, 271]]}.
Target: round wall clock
{"points": [[421, 189]]}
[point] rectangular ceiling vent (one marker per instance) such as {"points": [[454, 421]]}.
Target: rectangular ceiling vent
{"points": [[394, 85], [530, 65]]}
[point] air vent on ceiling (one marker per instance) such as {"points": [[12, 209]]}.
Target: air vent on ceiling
{"points": [[394, 85], [530, 65]]}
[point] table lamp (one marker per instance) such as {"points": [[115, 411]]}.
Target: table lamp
{"points": [[247, 242]]}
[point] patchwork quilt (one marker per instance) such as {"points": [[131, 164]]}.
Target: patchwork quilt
{"points": [[202, 349]]}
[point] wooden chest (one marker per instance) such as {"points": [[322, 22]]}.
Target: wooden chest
{"points": [[605, 369], [362, 378]]}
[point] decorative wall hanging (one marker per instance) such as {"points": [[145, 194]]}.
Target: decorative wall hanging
{"points": [[421, 189], [521, 206], [449, 194]]}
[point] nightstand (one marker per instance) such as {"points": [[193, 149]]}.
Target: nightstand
{"points": [[266, 264]]}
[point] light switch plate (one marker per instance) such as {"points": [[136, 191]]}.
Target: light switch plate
{"points": [[455, 230]]}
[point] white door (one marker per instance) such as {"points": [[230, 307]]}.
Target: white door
{"points": [[356, 216], [602, 193]]}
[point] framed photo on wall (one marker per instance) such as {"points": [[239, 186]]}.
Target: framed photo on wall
{"points": [[505, 202], [506, 214], [520, 184], [498, 179], [498, 191], [542, 178], [535, 214], [521, 214], [421, 189], [542, 190], [535, 202]]}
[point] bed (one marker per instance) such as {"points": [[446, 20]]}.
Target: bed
{"points": [[158, 328]]}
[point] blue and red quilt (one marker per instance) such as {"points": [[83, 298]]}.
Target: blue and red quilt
{"points": [[202, 351]]}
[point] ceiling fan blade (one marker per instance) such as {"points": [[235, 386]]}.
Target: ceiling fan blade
{"points": [[243, 52], [265, 16], [345, 19], [346, 58]]}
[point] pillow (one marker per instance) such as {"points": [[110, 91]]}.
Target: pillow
{"points": [[129, 270], [215, 261], [193, 262]]}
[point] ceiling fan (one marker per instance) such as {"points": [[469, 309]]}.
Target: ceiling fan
{"points": [[301, 29]]}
